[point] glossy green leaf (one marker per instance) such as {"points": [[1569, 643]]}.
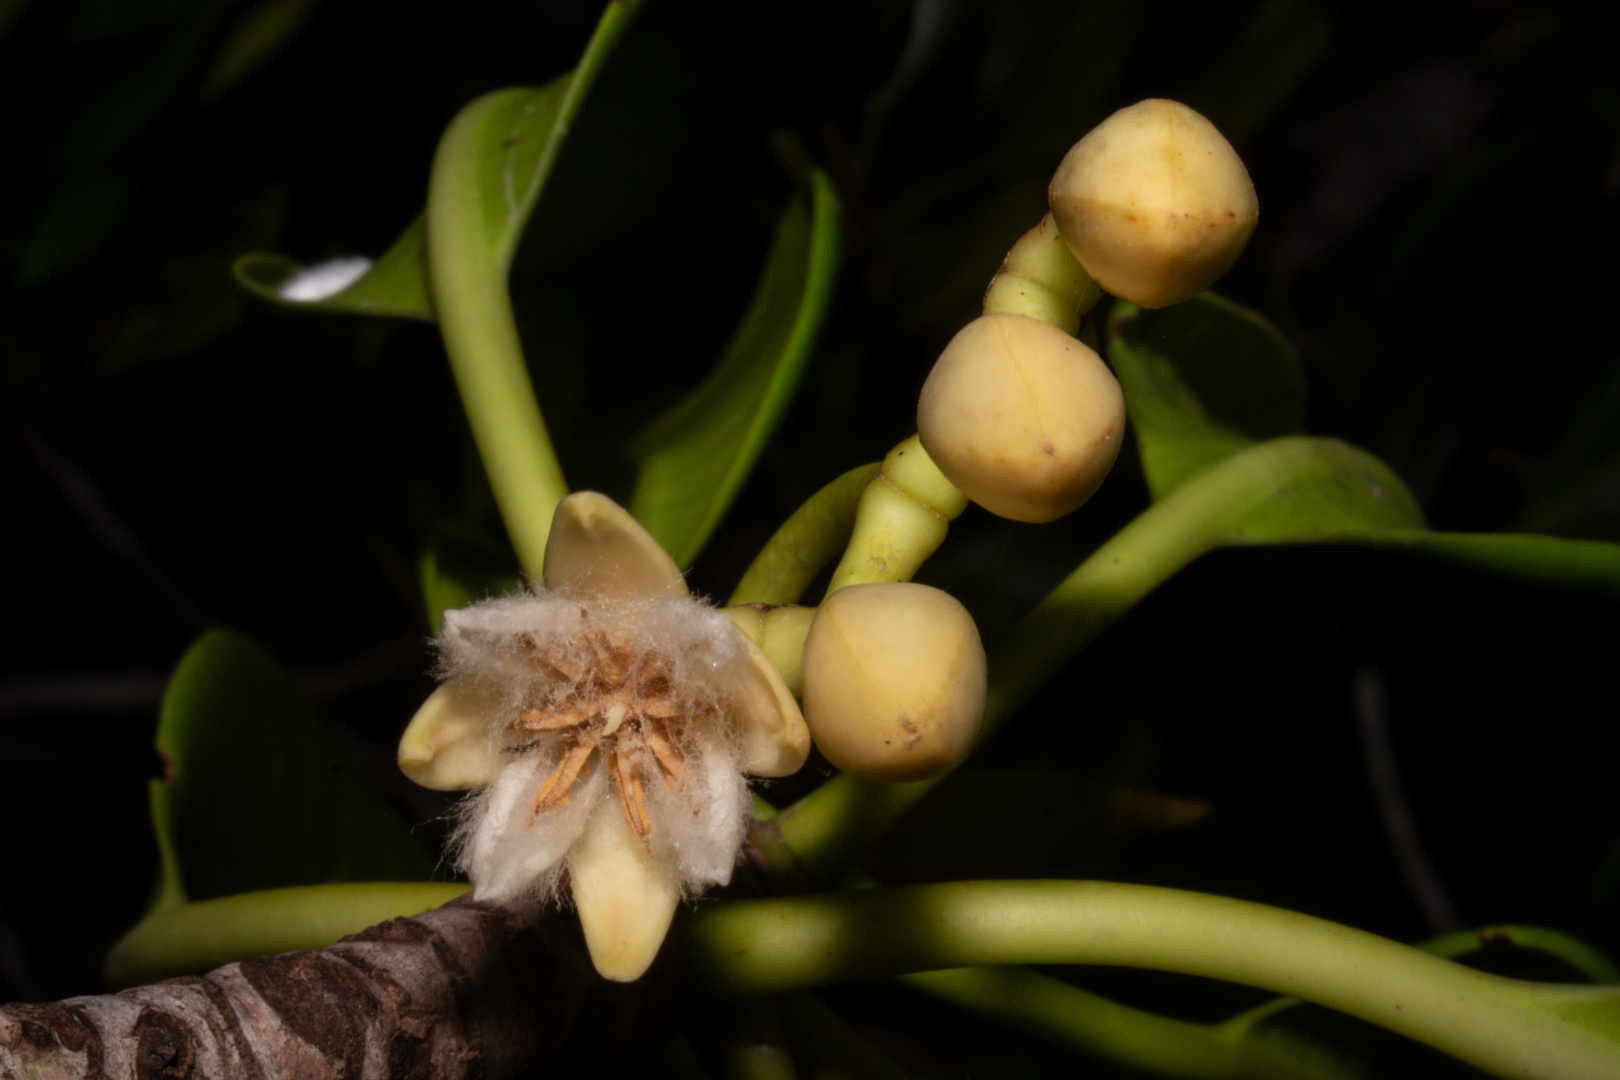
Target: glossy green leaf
{"points": [[1202, 379], [1207, 378], [189, 939], [258, 792], [520, 137], [695, 458], [395, 285]]}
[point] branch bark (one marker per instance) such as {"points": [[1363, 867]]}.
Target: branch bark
{"points": [[469, 991]]}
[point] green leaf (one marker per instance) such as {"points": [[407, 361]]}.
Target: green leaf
{"points": [[258, 792], [1202, 379], [521, 131], [695, 458], [189, 939], [395, 285]]}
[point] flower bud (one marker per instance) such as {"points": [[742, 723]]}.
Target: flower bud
{"points": [[894, 681], [1155, 203], [1020, 416]]}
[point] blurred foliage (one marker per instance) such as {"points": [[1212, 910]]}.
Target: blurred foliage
{"points": [[1202, 379], [267, 798], [1436, 200]]}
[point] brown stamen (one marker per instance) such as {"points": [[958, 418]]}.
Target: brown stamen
{"points": [[661, 708], [554, 792], [620, 702], [632, 798], [669, 758], [568, 714]]}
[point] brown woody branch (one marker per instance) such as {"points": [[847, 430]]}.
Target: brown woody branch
{"points": [[475, 991]]}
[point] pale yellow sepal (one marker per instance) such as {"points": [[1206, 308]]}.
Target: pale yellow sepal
{"points": [[626, 900], [779, 631], [775, 740], [598, 549], [447, 745]]}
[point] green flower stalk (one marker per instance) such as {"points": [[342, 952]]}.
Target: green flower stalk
{"points": [[902, 518], [1041, 278], [1508, 1027]]}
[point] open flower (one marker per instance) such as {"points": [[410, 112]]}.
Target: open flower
{"points": [[609, 719]]}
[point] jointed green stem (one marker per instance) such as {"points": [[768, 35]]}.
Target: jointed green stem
{"points": [[901, 519], [1041, 278]]}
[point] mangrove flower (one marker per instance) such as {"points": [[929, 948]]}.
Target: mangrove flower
{"points": [[608, 720]]}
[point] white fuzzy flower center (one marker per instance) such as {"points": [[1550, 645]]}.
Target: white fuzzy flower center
{"points": [[595, 701]]}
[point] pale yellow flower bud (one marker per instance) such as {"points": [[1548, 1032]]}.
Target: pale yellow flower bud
{"points": [[894, 681], [1020, 416], [1155, 203]]}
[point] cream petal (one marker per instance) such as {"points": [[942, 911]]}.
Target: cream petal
{"points": [[699, 825], [597, 548], [447, 746], [775, 740], [626, 899], [512, 852]]}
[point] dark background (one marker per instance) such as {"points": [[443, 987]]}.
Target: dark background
{"points": [[1438, 185]]}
